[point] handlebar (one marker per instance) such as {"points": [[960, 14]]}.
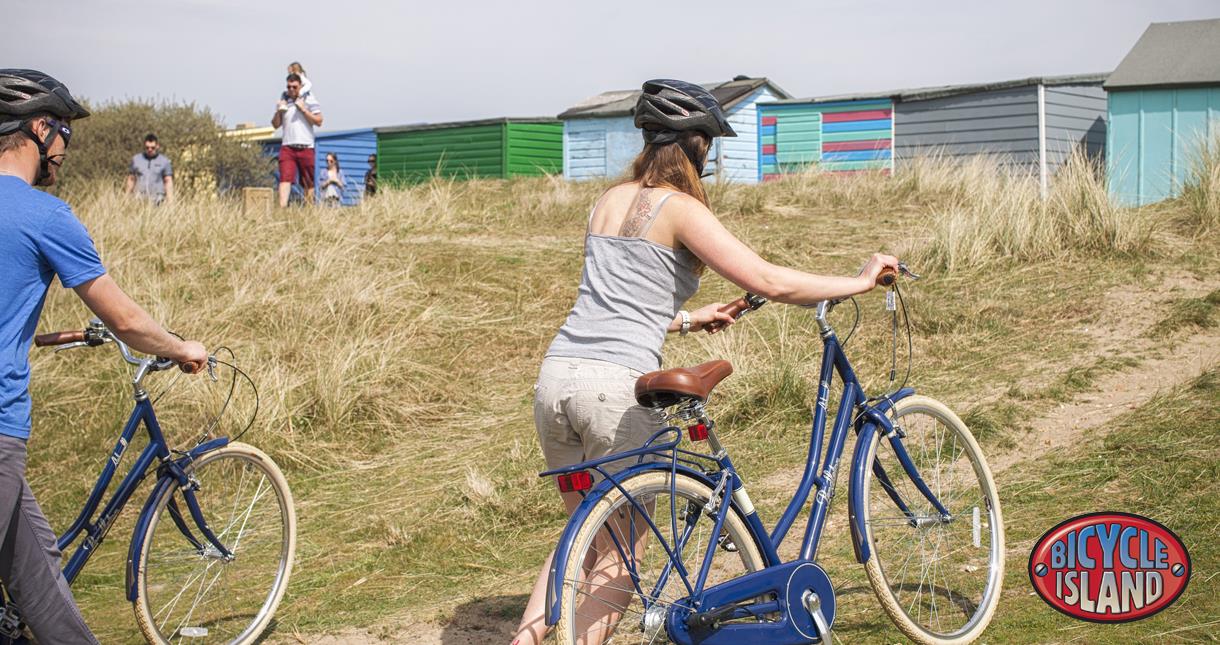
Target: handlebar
{"points": [[59, 338], [97, 334], [737, 309]]}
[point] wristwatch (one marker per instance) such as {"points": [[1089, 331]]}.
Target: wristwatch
{"points": [[682, 331]]}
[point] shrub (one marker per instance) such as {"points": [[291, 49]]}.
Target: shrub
{"points": [[204, 162]]}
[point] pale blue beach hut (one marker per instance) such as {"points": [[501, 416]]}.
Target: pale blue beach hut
{"points": [[599, 139]]}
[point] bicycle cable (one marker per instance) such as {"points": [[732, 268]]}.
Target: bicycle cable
{"points": [[228, 397]]}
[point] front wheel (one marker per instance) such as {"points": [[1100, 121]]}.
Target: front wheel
{"points": [[936, 574], [609, 598], [186, 591]]}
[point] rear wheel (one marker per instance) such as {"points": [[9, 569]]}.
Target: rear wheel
{"points": [[601, 603], [937, 576], [188, 594]]}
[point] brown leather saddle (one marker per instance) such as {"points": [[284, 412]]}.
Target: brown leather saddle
{"points": [[664, 388]]}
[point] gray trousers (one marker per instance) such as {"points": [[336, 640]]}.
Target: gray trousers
{"points": [[30, 559]]}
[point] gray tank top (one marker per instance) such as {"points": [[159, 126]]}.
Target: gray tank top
{"points": [[630, 290]]}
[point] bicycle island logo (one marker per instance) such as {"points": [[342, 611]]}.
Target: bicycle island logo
{"points": [[1109, 567]]}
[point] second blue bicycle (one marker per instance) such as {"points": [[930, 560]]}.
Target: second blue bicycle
{"points": [[671, 549]]}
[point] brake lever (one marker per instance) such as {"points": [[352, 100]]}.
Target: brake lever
{"points": [[79, 343], [905, 270]]}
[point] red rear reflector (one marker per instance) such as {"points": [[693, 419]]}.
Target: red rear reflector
{"points": [[698, 432], [573, 482]]}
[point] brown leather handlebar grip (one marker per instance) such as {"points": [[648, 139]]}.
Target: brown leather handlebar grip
{"points": [[886, 277], [59, 338], [191, 367], [733, 309]]}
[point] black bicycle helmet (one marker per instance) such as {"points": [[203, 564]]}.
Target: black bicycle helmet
{"points": [[668, 107], [26, 93]]}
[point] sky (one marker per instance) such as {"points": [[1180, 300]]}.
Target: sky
{"points": [[393, 63]]}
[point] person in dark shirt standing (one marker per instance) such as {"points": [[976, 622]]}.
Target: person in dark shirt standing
{"points": [[151, 174], [370, 177]]}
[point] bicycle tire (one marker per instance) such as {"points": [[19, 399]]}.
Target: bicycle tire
{"points": [[973, 504], [648, 487], [233, 602]]}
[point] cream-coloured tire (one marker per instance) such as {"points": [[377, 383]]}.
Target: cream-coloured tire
{"points": [[587, 588], [962, 559], [187, 595]]}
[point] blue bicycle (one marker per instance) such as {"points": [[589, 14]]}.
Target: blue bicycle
{"points": [[213, 547], [670, 549]]}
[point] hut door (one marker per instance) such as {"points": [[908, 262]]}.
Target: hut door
{"points": [[798, 140], [587, 154]]}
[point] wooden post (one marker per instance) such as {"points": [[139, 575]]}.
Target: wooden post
{"points": [[257, 201]]}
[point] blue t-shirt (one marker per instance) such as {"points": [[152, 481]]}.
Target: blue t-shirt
{"points": [[40, 238]]}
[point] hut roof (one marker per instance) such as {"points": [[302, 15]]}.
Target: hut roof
{"points": [[941, 91], [454, 124], [1172, 54], [622, 102]]}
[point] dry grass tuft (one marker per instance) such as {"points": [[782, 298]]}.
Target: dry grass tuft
{"points": [[1201, 193]]}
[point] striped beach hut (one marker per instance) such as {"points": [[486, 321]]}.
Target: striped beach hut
{"points": [[504, 147], [1164, 102], [600, 139], [1032, 123], [352, 147]]}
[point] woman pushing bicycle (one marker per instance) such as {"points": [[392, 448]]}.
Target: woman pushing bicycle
{"points": [[646, 245]]}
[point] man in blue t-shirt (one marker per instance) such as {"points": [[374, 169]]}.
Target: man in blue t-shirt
{"points": [[40, 239]]}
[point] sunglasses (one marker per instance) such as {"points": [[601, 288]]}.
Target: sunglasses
{"points": [[64, 130]]}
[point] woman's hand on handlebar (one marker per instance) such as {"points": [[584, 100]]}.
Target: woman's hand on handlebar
{"points": [[875, 266], [707, 314]]}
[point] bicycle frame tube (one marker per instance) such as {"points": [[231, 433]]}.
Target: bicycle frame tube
{"points": [[96, 531]]}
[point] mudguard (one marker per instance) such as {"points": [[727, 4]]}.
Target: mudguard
{"points": [[164, 483], [163, 486], [564, 547], [861, 468]]}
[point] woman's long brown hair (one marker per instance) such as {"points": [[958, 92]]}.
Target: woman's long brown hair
{"points": [[667, 165]]}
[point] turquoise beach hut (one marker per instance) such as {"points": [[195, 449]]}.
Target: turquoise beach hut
{"points": [[1164, 101]]}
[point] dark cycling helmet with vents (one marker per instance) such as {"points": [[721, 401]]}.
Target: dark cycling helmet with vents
{"points": [[27, 93], [668, 107]]}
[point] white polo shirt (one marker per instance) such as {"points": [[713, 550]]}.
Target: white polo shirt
{"points": [[298, 131]]}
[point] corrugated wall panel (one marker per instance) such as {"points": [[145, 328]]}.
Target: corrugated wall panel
{"points": [[1152, 136], [997, 122], [353, 150], [534, 148], [460, 151], [1075, 117]]}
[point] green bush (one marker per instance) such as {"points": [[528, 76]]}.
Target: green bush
{"points": [[204, 162]]}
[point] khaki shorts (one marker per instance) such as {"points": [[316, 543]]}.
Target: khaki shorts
{"points": [[585, 409]]}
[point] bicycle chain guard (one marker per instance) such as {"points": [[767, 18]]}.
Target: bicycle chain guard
{"points": [[799, 594]]}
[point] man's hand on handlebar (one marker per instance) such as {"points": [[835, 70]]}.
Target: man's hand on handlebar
{"points": [[192, 357]]}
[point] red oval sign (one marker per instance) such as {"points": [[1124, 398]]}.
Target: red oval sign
{"points": [[1109, 567]]}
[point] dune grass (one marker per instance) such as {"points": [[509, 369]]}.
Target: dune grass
{"points": [[394, 346]]}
